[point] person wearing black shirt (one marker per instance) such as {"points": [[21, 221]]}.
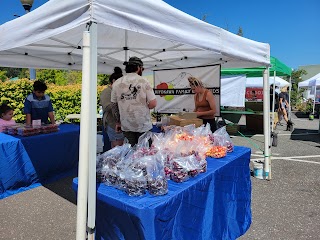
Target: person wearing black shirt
{"points": [[276, 99]]}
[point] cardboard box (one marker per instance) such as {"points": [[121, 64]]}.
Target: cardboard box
{"points": [[176, 120], [187, 115]]}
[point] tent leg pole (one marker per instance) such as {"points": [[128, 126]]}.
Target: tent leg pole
{"points": [[289, 112], [266, 122], [93, 132], [82, 198]]}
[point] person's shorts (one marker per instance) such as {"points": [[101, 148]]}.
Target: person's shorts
{"points": [[113, 135]]}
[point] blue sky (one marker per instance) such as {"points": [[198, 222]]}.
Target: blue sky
{"points": [[291, 27]]}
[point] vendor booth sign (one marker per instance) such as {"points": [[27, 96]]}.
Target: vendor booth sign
{"points": [[171, 87], [254, 94]]}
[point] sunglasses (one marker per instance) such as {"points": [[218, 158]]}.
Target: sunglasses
{"points": [[194, 84]]}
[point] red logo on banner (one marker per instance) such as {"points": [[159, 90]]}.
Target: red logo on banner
{"points": [[254, 94]]}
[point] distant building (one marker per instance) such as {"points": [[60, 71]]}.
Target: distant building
{"points": [[312, 70]]}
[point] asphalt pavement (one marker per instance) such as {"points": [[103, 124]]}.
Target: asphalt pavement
{"points": [[285, 207]]}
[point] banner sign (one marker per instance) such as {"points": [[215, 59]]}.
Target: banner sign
{"points": [[174, 95], [254, 94], [182, 91]]}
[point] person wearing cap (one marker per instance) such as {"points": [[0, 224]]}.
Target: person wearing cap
{"points": [[135, 98], [205, 105]]}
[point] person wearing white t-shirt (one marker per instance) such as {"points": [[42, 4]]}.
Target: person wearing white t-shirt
{"points": [[135, 98]]}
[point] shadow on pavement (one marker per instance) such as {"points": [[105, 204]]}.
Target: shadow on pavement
{"points": [[301, 115], [63, 188], [305, 135]]}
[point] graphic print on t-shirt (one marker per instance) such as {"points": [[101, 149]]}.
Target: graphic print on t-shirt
{"points": [[132, 92]]}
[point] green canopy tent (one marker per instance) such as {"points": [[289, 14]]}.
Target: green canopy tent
{"points": [[277, 67]]}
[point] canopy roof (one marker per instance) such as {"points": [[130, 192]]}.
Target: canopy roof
{"points": [[276, 66], [162, 36], [313, 81], [257, 82]]}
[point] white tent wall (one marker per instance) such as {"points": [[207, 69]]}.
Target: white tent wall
{"points": [[258, 82], [161, 35], [233, 89]]}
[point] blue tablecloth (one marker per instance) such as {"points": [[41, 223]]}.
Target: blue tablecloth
{"points": [[213, 205], [27, 161]]}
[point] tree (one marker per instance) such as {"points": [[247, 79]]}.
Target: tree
{"points": [[296, 94], [103, 79], [47, 75], [74, 77], [3, 75], [240, 32], [204, 17]]}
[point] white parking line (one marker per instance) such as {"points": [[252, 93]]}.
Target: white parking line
{"points": [[285, 134], [298, 160], [261, 155], [296, 134], [293, 158]]}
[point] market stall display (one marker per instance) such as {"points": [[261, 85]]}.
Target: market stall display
{"points": [[177, 154], [29, 130], [212, 205], [31, 160]]}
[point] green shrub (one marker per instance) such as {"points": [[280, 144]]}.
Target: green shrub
{"points": [[65, 99]]}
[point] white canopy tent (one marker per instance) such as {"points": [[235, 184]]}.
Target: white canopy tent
{"points": [[164, 37], [258, 82], [311, 84], [97, 35], [306, 83]]}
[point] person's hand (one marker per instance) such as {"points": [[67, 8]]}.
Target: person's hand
{"points": [[199, 114], [118, 127]]}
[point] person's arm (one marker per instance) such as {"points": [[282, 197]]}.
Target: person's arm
{"points": [[194, 98], [51, 116], [115, 112], [151, 97], [27, 111], [280, 100], [28, 119], [50, 112], [152, 104], [286, 100], [116, 115], [211, 101]]}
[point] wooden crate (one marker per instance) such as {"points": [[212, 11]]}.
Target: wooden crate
{"points": [[175, 120]]}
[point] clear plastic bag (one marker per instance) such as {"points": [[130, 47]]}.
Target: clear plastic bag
{"points": [[157, 181], [135, 183], [185, 167], [107, 163], [49, 128], [28, 131], [222, 138]]}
